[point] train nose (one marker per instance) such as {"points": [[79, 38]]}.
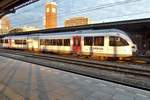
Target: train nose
{"points": [[134, 50]]}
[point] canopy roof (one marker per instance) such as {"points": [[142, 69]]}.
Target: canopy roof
{"points": [[10, 6]]}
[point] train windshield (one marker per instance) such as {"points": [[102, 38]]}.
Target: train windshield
{"points": [[117, 41]]}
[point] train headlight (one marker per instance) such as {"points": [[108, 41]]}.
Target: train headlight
{"points": [[134, 48]]}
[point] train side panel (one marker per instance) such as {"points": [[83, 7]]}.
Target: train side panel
{"points": [[101, 44], [114, 50], [94, 48], [19, 44], [57, 44]]}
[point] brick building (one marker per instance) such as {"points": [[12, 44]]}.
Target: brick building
{"points": [[76, 21]]}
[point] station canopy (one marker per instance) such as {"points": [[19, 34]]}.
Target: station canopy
{"points": [[10, 6]]}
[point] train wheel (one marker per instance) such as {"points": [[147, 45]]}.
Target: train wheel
{"points": [[120, 58], [102, 58]]}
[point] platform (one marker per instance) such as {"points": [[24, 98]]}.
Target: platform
{"points": [[24, 81]]}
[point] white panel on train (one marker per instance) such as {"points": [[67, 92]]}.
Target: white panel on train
{"points": [[83, 42], [19, 37], [33, 42]]}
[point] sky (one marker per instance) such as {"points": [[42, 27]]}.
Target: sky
{"points": [[98, 11]]}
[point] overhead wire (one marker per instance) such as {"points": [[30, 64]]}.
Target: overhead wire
{"points": [[87, 9], [98, 7], [91, 9], [138, 13], [27, 10], [127, 15]]}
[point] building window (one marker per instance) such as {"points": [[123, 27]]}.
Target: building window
{"points": [[117, 41], [99, 41], [88, 41]]}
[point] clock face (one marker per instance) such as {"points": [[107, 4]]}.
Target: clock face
{"points": [[53, 10], [47, 10]]}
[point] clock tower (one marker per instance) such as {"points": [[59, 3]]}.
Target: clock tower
{"points": [[51, 15]]}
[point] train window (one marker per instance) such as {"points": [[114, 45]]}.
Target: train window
{"points": [[66, 42], [59, 42], [88, 41], [50, 42], [99, 41], [117, 41], [54, 42], [24, 42], [1, 41], [6, 40], [42, 42], [18, 41], [112, 41], [47, 42]]}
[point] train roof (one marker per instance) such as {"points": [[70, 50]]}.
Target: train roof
{"points": [[16, 37], [10, 6], [67, 32], [106, 31]]}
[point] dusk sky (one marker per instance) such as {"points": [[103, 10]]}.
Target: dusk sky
{"points": [[98, 11]]}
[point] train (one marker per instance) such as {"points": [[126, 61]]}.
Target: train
{"points": [[106, 43]]}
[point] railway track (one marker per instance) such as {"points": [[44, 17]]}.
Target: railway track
{"points": [[100, 66], [138, 77]]}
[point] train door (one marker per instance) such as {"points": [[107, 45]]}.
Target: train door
{"points": [[1, 42], [9, 43], [77, 44], [33, 43], [112, 46], [29, 44]]}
